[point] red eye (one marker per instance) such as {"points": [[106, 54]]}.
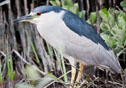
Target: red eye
{"points": [[39, 13]]}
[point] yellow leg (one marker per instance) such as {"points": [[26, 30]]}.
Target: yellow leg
{"points": [[73, 74], [80, 73]]}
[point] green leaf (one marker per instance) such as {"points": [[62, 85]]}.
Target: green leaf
{"points": [[75, 8], [92, 17], [104, 14], [69, 3], [105, 37], [32, 73], [35, 53], [115, 28], [112, 11], [124, 9], [111, 20], [58, 2], [49, 50], [58, 61], [119, 31], [124, 34], [113, 42], [117, 13], [123, 4], [122, 21], [52, 2], [64, 68], [54, 77], [45, 81], [105, 27], [12, 73], [82, 14], [63, 3], [23, 85], [125, 42]]}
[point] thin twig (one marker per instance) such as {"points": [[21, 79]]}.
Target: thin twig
{"points": [[47, 2], [115, 83], [43, 73], [98, 19], [120, 52], [56, 80], [119, 9], [88, 7], [18, 8], [84, 82], [89, 83], [25, 6], [4, 2], [3, 54]]}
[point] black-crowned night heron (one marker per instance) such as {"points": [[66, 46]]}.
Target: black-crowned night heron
{"points": [[78, 40]]}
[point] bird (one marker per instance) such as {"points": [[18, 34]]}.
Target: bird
{"points": [[77, 39]]}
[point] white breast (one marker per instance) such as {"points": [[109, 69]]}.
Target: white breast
{"points": [[50, 27], [53, 29]]}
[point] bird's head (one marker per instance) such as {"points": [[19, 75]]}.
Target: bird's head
{"points": [[39, 14]]}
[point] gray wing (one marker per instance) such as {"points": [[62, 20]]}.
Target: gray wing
{"points": [[85, 44]]}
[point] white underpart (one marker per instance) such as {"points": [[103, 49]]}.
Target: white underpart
{"points": [[52, 28], [49, 25]]}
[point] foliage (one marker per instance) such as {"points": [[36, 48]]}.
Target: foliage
{"points": [[113, 31], [92, 18], [123, 4], [30, 70], [113, 23], [60, 60], [69, 5], [11, 73], [113, 26], [35, 53]]}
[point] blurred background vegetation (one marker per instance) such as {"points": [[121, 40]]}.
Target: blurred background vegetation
{"points": [[27, 61]]}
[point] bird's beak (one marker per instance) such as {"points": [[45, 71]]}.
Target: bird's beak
{"points": [[23, 18]]}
